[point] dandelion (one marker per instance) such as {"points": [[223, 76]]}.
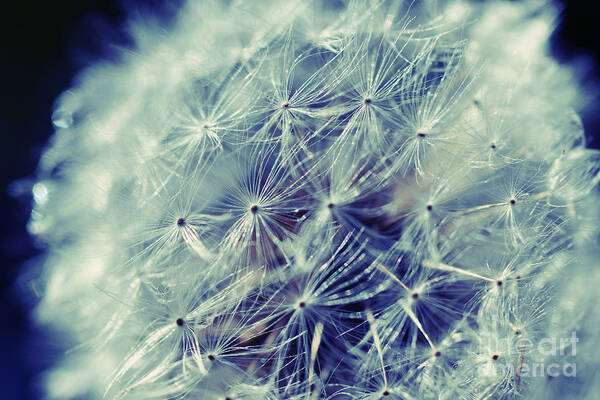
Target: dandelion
{"points": [[343, 200]]}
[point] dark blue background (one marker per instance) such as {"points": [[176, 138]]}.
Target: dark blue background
{"points": [[43, 44]]}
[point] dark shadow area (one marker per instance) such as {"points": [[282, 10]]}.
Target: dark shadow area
{"points": [[576, 41]]}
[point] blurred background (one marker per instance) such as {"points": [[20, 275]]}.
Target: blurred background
{"points": [[43, 45]]}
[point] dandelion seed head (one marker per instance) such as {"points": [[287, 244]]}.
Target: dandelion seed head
{"points": [[321, 200]]}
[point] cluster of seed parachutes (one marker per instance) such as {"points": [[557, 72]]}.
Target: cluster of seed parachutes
{"points": [[357, 201]]}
